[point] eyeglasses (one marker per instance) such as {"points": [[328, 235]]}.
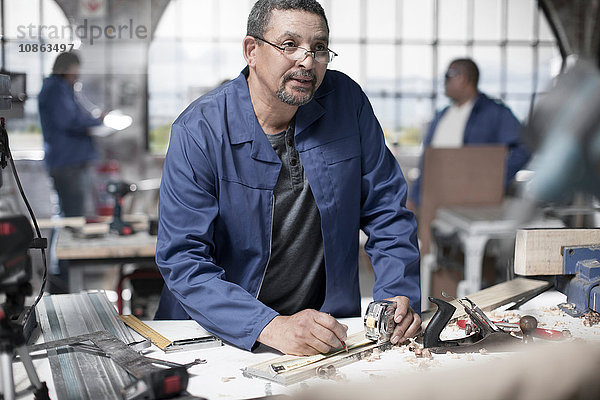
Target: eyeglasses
{"points": [[300, 53], [451, 73]]}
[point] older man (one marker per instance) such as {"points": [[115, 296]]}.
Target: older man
{"points": [[266, 183]]}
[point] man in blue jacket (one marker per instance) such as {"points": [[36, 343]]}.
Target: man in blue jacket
{"points": [[265, 186], [472, 118], [68, 147]]}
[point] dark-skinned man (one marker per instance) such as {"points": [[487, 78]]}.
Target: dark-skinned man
{"points": [[266, 183], [472, 118]]}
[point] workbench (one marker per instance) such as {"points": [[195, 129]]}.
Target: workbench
{"points": [[222, 378], [474, 226], [105, 250]]}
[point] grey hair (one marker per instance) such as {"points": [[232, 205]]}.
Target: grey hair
{"points": [[260, 15]]}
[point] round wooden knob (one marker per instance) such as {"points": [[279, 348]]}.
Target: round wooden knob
{"points": [[528, 325]]}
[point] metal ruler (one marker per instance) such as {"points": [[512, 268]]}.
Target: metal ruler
{"points": [[165, 344], [64, 316]]}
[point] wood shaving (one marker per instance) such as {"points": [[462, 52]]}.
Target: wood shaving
{"points": [[591, 318], [560, 325], [418, 352], [454, 356], [227, 378], [483, 351], [554, 310], [410, 359], [506, 316], [413, 345], [423, 365], [469, 357], [339, 377]]}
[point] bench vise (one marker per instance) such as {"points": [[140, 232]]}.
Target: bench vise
{"points": [[581, 264]]}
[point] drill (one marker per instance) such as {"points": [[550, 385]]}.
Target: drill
{"points": [[119, 189]]}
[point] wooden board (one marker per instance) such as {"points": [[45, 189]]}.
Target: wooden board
{"points": [[538, 251], [470, 175], [495, 296], [358, 348], [49, 223]]}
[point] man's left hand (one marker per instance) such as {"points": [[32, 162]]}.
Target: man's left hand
{"points": [[408, 322]]}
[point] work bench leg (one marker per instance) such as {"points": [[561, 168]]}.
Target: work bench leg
{"points": [[76, 278], [474, 247], [428, 264]]}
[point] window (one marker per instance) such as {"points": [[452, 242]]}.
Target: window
{"points": [[23, 20], [397, 50], [197, 46]]}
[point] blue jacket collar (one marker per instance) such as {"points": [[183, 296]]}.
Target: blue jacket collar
{"points": [[245, 127]]}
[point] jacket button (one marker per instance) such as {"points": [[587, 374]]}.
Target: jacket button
{"points": [[293, 162], [291, 142]]}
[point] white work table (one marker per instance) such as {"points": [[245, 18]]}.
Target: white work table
{"points": [[474, 227], [221, 377]]}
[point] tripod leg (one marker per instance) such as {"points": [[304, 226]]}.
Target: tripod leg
{"points": [[8, 389], [40, 389]]}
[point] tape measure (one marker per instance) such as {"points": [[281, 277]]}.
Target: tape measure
{"points": [[379, 320], [165, 344], [298, 362], [289, 365]]}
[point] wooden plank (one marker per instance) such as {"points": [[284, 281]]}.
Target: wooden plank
{"points": [[538, 251], [49, 223], [358, 348], [465, 176], [493, 297]]}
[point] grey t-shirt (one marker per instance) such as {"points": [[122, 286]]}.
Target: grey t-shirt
{"points": [[295, 275]]}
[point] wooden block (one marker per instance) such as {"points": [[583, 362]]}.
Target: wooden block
{"points": [[470, 175], [495, 296], [538, 251], [49, 223]]}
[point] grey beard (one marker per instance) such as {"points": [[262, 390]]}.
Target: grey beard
{"points": [[292, 100]]}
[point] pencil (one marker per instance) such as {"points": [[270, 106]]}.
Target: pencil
{"points": [[344, 345]]}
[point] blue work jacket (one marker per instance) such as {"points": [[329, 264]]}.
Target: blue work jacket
{"points": [[65, 125], [216, 207], [490, 122]]}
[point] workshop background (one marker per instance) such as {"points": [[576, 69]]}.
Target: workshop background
{"points": [[174, 51]]}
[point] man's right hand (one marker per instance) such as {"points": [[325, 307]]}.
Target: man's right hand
{"points": [[305, 333]]}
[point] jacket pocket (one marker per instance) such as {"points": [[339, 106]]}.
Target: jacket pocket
{"points": [[341, 150]]}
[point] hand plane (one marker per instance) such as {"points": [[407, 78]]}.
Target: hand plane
{"points": [[487, 334]]}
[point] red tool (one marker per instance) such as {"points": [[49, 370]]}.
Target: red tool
{"points": [[550, 334]]}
